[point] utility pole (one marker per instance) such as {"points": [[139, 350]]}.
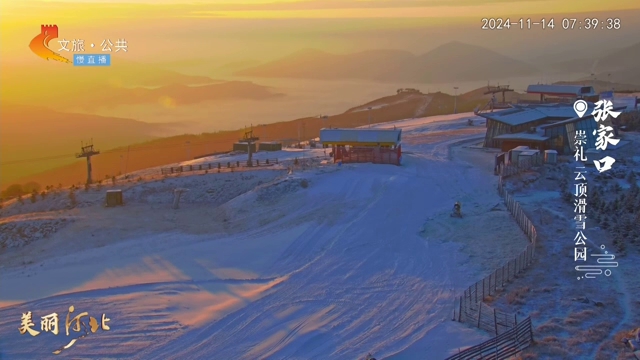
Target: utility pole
{"points": [[87, 152], [455, 100], [324, 120], [303, 130]]}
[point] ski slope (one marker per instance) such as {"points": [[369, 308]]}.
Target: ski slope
{"points": [[332, 271]]}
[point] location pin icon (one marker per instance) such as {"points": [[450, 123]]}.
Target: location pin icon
{"points": [[580, 107]]}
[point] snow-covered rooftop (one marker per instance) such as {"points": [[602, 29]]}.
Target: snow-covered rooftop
{"points": [[561, 90], [522, 114], [387, 136], [523, 136]]}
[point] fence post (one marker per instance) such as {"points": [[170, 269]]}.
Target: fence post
{"points": [[460, 312], [482, 299], [476, 292], [516, 339], [530, 330], [508, 268], [502, 278], [495, 321], [495, 282], [479, 314], [454, 309]]}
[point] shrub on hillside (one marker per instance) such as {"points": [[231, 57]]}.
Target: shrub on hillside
{"points": [[34, 196], [13, 191], [631, 120], [72, 197]]}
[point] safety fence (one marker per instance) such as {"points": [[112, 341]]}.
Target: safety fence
{"points": [[510, 169], [218, 166], [502, 346], [470, 308]]}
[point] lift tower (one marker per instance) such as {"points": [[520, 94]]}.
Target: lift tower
{"points": [[87, 151], [249, 139]]}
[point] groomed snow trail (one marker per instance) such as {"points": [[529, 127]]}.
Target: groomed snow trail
{"points": [[342, 272]]}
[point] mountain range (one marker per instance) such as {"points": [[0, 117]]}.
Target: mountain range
{"points": [[622, 65], [26, 128], [454, 61]]}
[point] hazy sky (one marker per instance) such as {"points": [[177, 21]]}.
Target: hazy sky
{"points": [[160, 30]]}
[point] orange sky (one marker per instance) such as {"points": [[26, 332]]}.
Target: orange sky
{"points": [[20, 18]]}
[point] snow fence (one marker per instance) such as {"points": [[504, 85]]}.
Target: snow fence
{"points": [[512, 336]]}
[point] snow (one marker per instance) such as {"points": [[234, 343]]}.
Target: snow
{"points": [[255, 264]]}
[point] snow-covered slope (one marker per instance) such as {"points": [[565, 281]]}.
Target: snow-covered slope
{"points": [[327, 263]]}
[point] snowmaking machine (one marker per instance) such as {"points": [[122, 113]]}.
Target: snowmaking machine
{"points": [[457, 210]]}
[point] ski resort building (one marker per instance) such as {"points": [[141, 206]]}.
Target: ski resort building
{"points": [[569, 93], [270, 146], [541, 127], [244, 147], [378, 146]]}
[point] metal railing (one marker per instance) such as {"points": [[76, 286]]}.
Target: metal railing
{"points": [[220, 166]]}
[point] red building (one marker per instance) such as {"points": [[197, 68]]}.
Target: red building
{"points": [[378, 146]]}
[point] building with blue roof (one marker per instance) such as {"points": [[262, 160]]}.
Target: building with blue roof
{"points": [[540, 126]]}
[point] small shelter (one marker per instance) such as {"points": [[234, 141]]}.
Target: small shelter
{"points": [[270, 146], [244, 147], [379, 146], [114, 198]]}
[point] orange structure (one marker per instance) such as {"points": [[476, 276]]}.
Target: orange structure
{"points": [[378, 146]]}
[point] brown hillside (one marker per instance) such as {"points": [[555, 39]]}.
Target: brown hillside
{"points": [[174, 149]]}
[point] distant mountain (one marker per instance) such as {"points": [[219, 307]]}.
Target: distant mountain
{"points": [[316, 64], [601, 85], [239, 65], [623, 59], [454, 61], [48, 84], [621, 65], [170, 95], [26, 128]]}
